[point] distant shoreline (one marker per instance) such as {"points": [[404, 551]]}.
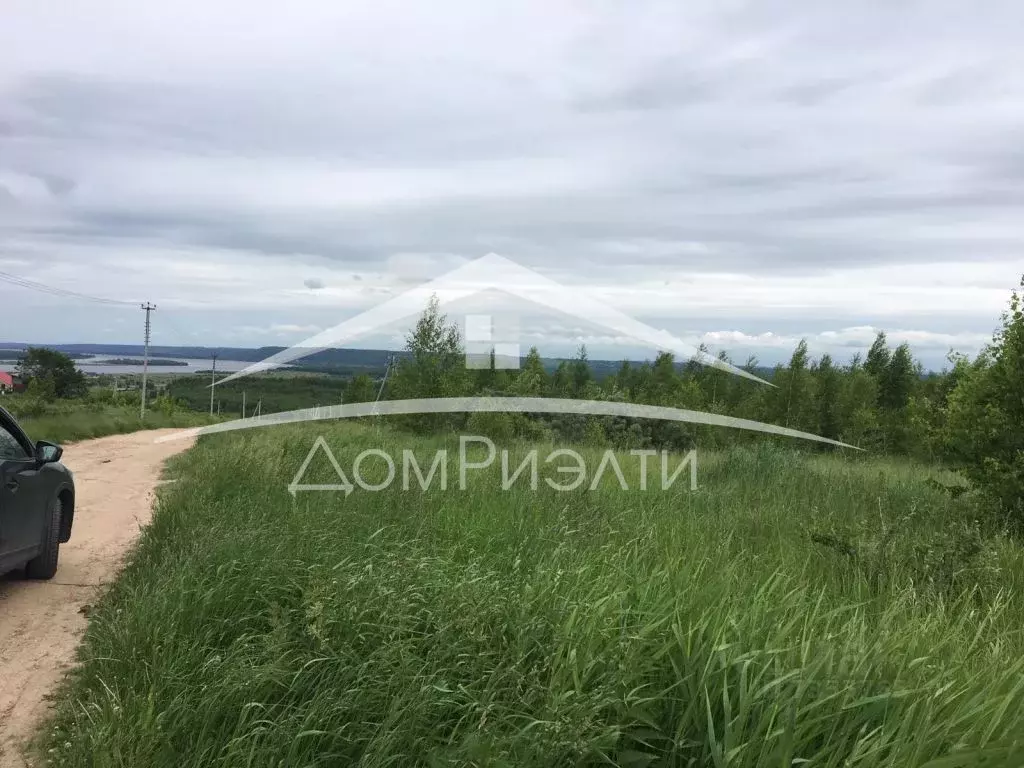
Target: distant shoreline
{"points": [[14, 355], [135, 361]]}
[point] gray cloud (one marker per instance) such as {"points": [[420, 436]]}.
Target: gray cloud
{"points": [[617, 144]]}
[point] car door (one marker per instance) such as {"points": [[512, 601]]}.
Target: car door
{"points": [[23, 499]]}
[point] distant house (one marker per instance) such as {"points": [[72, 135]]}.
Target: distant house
{"points": [[10, 383]]}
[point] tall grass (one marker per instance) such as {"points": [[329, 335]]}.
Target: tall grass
{"points": [[68, 421], [791, 611]]}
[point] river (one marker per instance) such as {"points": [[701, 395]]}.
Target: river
{"points": [[95, 365]]}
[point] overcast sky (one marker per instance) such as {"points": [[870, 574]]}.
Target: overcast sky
{"points": [[739, 173]]}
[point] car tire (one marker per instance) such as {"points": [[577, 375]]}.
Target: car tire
{"points": [[44, 566]]}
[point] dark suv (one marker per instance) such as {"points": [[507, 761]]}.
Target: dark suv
{"points": [[37, 502]]}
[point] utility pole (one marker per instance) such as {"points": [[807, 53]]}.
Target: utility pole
{"points": [[383, 382], [147, 308], [243, 403], [213, 381]]}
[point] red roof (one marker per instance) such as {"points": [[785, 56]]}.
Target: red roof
{"points": [[6, 380]]}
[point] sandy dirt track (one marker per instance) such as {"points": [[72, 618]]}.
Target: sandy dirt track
{"points": [[41, 623]]}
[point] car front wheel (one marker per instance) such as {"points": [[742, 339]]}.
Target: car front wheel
{"points": [[45, 565]]}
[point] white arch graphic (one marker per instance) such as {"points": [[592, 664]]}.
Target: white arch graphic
{"points": [[493, 272], [503, 405]]}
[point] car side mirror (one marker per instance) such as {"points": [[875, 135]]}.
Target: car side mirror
{"points": [[47, 453]]}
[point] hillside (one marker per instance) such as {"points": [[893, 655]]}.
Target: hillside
{"points": [[792, 610]]}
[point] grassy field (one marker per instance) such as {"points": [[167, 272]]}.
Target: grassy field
{"points": [[280, 391], [794, 610], [72, 421]]}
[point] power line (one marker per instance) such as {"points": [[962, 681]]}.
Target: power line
{"points": [[384, 381], [183, 334], [52, 290], [387, 370]]}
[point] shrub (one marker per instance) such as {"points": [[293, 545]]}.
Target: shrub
{"points": [[985, 413]]}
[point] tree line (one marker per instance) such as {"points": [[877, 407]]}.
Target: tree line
{"points": [[969, 416]]}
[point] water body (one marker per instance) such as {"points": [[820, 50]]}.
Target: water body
{"points": [[94, 365]]}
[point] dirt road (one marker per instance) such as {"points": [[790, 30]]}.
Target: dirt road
{"points": [[41, 623]]}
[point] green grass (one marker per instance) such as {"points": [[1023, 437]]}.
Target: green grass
{"points": [[279, 391], [792, 611], [88, 420]]}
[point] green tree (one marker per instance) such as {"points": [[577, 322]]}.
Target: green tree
{"points": [[579, 372], [985, 413], [360, 389], [897, 380], [828, 385], [715, 384], [878, 356], [664, 388], [641, 384], [857, 412], [896, 386], [51, 372], [492, 379], [434, 366], [922, 424], [738, 389], [623, 380], [532, 379], [750, 399], [561, 382], [794, 396]]}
